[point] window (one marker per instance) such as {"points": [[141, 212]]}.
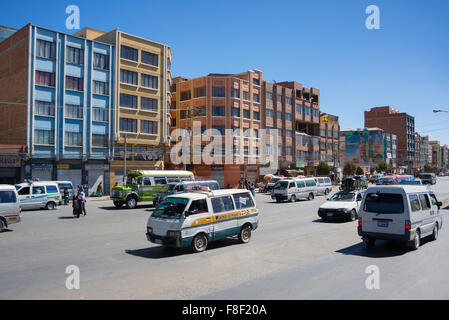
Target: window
{"points": [[222, 204], [149, 127], [73, 111], [100, 87], [288, 100], [299, 108], [307, 111], [128, 77], [218, 111], [45, 78], [74, 83], [45, 49], [269, 113], [279, 97], [148, 104], [414, 202], [268, 149], [245, 95], [329, 133], [235, 93], [128, 101], [75, 55], [235, 131], [198, 206], [256, 82], [199, 92], [160, 181], [310, 183], [129, 53], [279, 115], [235, 112], [289, 133], [218, 92], [7, 197], [199, 112], [100, 114], [424, 200], [246, 114], [288, 117], [149, 81], [185, 95], [256, 133], [24, 191], [149, 58], [44, 108], [384, 203], [39, 190], [143, 153], [256, 115], [288, 151], [101, 61], [73, 139], [300, 184], [269, 95], [314, 112], [323, 132], [243, 200], [128, 125], [99, 140], [44, 137], [256, 97]]}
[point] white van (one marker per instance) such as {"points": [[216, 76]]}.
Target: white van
{"points": [[324, 185], [197, 217], [294, 189], [404, 213], [10, 209], [38, 195]]}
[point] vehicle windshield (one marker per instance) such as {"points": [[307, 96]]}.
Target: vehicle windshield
{"points": [[426, 176], [281, 185], [171, 208], [133, 180], [384, 203], [17, 187], [168, 188], [386, 181], [342, 196]]}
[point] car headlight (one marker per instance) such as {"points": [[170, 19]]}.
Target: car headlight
{"points": [[174, 234], [320, 210], [149, 230]]}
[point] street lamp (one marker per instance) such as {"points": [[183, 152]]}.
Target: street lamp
{"points": [[436, 110]]}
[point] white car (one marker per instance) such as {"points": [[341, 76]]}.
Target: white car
{"points": [[342, 205], [10, 209]]}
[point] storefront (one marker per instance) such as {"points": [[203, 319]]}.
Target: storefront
{"points": [[96, 174], [70, 172], [10, 170]]}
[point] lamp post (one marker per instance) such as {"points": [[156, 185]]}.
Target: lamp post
{"points": [[437, 110]]}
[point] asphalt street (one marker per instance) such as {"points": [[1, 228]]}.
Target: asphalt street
{"points": [[292, 255]]}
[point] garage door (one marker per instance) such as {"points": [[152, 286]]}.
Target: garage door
{"points": [[70, 175], [43, 174]]}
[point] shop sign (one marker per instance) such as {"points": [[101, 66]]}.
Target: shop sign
{"points": [[62, 166], [9, 162], [97, 167]]}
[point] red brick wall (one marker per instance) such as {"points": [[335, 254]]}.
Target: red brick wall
{"points": [[14, 88]]}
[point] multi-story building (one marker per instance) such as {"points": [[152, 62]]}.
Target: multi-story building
{"points": [[142, 96], [390, 150], [402, 125], [329, 140], [436, 154], [222, 102], [444, 157], [57, 100], [294, 112], [417, 157], [427, 151]]}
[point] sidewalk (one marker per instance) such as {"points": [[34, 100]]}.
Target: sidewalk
{"points": [[94, 198]]}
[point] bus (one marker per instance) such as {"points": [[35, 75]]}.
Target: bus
{"points": [[142, 185]]}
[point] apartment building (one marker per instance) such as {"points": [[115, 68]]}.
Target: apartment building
{"points": [[219, 102], [57, 100], [142, 96], [329, 140], [390, 150], [399, 123], [436, 154]]}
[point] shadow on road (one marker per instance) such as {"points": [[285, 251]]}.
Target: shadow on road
{"points": [[6, 230], [147, 207], [67, 218], [337, 221], [382, 249], [160, 252]]}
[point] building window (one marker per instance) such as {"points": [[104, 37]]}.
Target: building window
{"points": [[128, 101], [256, 97], [235, 93], [288, 116], [45, 49], [288, 100], [100, 87], [149, 127], [44, 137], [235, 112], [101, 61], [314, 112], [149, 81], [75, 55], [256, 115], [199, 112], [129, 53], [218, 92], [269, 113], [256, 82], [199, 92], [73, 111], [269, 149], [246, 114], [99, 140], [256, 133], [148, 104], [74, 83], [289, 133], [299, 108], [323, 132], [288, 151], [100, 114], [279, 97], [185, 95], [279, 115], [128, 77], [45, 78], [307, 111], [269, 95], [128, 125], [168, 64], [143, 153], [245, 95], [44, 108], [73, 139], [149, 58], [218, 111], [235, 131]]}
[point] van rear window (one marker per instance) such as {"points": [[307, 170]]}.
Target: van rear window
{"points": [[7, 197], [243, 200], [384, 203]]}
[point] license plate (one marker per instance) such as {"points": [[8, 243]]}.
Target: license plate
{"points": [[382, 224], [330, 214]]}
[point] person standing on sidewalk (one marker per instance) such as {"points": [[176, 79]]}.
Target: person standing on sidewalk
{"points": [[100, 190], [66, 196]]}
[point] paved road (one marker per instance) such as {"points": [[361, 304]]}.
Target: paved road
{"points": [[293, 255]]}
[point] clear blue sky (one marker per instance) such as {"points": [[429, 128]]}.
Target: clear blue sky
{"points": [[322, 44]]}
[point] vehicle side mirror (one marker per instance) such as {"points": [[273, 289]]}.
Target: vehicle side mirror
{"points": [[187, 213], [439, 204]]}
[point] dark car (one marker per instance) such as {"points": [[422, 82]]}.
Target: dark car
{"points": [[428, 178], [374, 178]]}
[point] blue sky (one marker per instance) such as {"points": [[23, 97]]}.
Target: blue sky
{"points": [[322, 44]]}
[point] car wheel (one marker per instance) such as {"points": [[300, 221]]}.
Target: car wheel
{"points": [[310, 197], [199, 243], [245, 234], [369, 242], [131, 203], [324, 219], [415, 243], [2, 225], [293, 198], [353, 215], [118, 204], [50, 206], [435, 232], [278, 200]]}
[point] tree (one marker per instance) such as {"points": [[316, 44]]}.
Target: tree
{"points": [[382, 166], [349, 168], [428, 168], [323, 169], [359, 171]]}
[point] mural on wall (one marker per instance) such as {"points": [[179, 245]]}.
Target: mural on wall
{"points": [[365, 148]]}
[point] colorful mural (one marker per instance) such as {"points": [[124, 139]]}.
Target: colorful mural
{"points": [[364, 147]]}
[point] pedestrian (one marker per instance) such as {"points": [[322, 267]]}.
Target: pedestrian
{"points": [[77, 203], [66, 196], [82, 197], [252, 189], [99, 190]]}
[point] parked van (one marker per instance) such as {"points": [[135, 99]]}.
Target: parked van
{"points": [[196, 218], [294, 189], [404, 213], [324, 185], [10, 209], [38, 195], [69, 186], [180, 187]]}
